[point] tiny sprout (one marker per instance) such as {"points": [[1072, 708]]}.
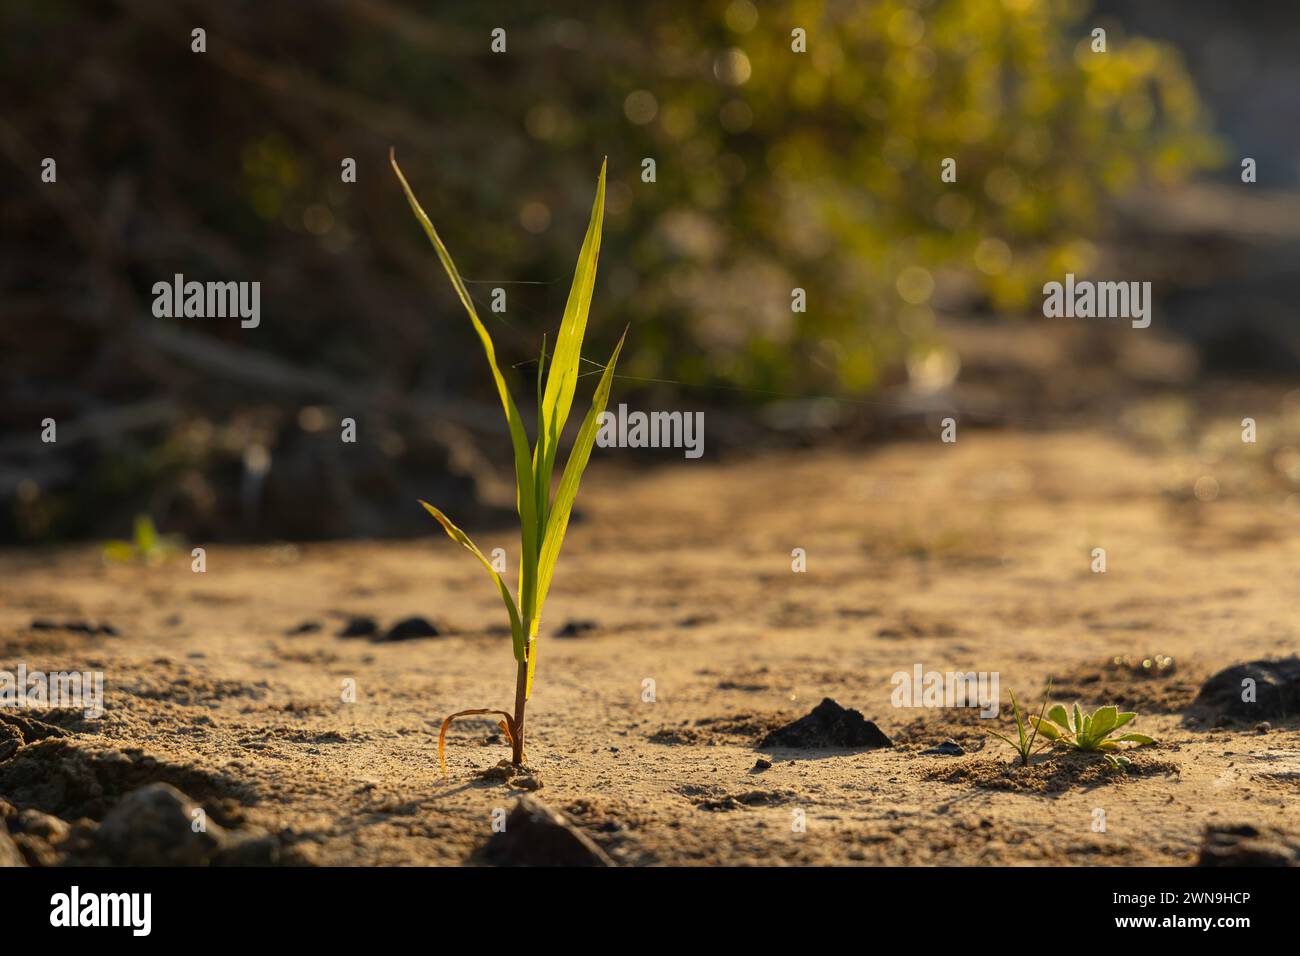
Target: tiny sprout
{"points": [[1091, 734], [146, 545], [1024, 744]]}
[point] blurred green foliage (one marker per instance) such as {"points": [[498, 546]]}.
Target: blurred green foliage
{"points": [[821, 170], [775, 169]]}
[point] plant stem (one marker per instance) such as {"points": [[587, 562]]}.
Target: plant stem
{"points": [[517, 732]]}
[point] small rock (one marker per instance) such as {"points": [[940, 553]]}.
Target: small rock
{"points": [[261, 850], [49, 828], [520, 778], [153, 826], [10, 855], [501, 773], [575, 628], [949, 748], [360, 626], [27, 729], [36, 851], [409, 629], [762, 763], [1263, 727], [828, 725], [306, 627], [1276, 683], [536, 835]]}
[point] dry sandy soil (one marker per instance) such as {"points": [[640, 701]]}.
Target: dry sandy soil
{"points": [[973, 556]]}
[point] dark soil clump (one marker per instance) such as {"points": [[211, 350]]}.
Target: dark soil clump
{"points": [[828, 725]]}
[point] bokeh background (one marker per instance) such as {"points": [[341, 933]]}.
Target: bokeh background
{"points": [[775, 170]]}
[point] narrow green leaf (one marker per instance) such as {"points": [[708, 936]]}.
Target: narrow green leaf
{"points": [[1078, 720], [1017, 747], [566, 357], [460, 537], [558, 522], [563, 380], [525, 496], [541, 486], [1020, 724], [1122, 719]]}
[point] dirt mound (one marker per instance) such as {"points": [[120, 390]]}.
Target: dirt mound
{"points": [[536, 835], [1146, 685], [827, 725], [1055, 773], [717, 799], [718, 730], [1245, 845], [76, 780], [1275, 685]]}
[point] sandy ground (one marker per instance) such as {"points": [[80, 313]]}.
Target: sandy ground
{"points": [[973, 556]]}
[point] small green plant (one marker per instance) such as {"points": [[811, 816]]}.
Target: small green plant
{"points": [[543, 519], [1024, 745], [1091, 734], [146, 545]]}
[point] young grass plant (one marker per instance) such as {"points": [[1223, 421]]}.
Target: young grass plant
{"points": [[543, 518], [1024, 745], [1090, 734], [146, 545]]}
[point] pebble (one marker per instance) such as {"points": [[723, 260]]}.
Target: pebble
{"points": [[949, 748]]}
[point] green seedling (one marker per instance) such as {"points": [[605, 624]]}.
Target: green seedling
{"points": [[543, 518], [146, 545], [1024, 744], [1090, 734]]}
